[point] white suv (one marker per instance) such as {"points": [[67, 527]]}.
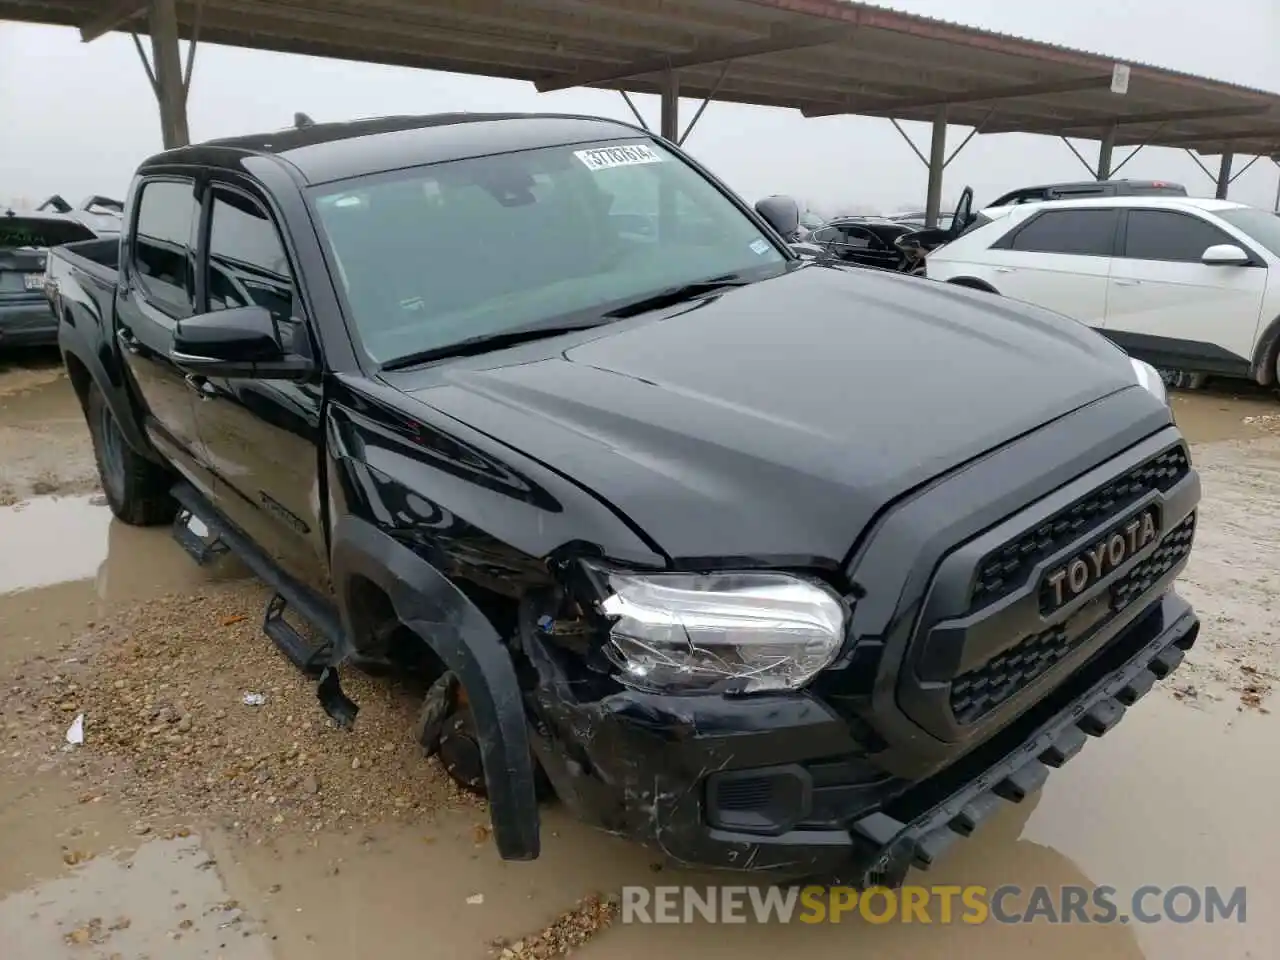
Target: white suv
{"points": [[1185, 284]]}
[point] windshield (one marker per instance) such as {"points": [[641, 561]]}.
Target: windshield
{"points": [[479, 247], [1258, 224]]}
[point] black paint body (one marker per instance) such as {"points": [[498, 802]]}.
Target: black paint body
{"points": [[883, 434]]}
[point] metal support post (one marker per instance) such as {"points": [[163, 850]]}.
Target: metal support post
{"points": [[1105, 149], [937, 162], [1224, 175], [670, 125], [170, 85]]}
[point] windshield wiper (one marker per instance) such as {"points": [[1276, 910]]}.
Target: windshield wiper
{"points": [[472, 346], [674, 295]]}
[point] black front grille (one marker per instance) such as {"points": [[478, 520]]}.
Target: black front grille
{"points": [[1007, 568], [981, 690], [1175, 546]]}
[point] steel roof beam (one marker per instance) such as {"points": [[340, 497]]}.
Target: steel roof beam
{"points": [[111, 16], [987, 95], [1223, 136], [702, 55], [1168, 116]]}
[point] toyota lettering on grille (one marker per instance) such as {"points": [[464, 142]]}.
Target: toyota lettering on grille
{"points": [[1069, 580]]}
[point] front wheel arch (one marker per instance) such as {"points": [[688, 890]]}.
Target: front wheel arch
{"points": [[453, 628], [1266, 356]]}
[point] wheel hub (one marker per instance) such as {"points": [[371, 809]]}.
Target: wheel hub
{"points": [[460, 752]]}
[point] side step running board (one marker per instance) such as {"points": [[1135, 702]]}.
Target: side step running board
{"points": [[312, 659]]}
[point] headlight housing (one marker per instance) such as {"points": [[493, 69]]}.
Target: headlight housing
{"points": [[1149, 379], [743, 632]]}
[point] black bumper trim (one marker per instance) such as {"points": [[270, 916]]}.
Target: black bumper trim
{"points": [[921, 842]]}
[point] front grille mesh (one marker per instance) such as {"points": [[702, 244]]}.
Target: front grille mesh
{"points": [[1007, 568], [981, 690]]}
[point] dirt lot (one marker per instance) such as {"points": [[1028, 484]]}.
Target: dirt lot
{"points": [[194, 824]]}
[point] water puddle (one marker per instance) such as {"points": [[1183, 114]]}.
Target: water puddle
{"points": [[50, 540], [64, 561], [435, 889], [1207, 416], [165, 899], [44, 443]]}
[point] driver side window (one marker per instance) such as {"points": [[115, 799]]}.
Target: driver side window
{"points": [[247, 265]]}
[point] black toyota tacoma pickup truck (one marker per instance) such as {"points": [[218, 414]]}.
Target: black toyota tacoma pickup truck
{"points": [[775, 566]]}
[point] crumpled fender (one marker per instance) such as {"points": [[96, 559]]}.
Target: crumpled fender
{"points": [[465, 641]]}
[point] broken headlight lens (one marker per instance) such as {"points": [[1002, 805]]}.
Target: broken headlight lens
{"points": [[748, 631]]}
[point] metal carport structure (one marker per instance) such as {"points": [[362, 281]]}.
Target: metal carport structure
{"points": [[822, 57]]}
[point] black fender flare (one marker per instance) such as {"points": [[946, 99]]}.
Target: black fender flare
{"points": [[446, 620], [114, 390], [1263, 367]]}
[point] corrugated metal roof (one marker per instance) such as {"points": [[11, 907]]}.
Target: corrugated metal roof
{"points": [[822, 57]]}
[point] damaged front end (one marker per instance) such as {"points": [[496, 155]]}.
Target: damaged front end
{"points": [[670, 708], [676, 710]]}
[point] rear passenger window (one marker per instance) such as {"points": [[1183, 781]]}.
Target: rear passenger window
{"points": [[1079, 232], [1167, 235], [162, 259]]}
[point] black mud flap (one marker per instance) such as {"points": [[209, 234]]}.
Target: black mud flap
{"points": [[340, 708], [444, 618]]}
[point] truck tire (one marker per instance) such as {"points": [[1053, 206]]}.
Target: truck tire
{"points": [[137, 490]]}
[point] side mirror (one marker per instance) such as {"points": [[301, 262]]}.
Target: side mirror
{"points": [[1225, 255], [782, 213], [242, 342]]}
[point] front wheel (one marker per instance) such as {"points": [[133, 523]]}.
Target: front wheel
{"points": [[137, 490]]}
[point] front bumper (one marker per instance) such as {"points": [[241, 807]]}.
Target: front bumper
{"points": [[27, 324], [669, 771]]}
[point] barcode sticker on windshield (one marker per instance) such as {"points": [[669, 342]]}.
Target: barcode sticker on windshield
{"points": [[602, 158]]}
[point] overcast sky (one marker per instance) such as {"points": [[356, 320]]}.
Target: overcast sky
{"points": [[77, 118]]}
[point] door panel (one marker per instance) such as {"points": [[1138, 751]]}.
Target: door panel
{"points": [[1071, 285], [1059, 259], [157, 290], [1167, 307], [263, 438]]}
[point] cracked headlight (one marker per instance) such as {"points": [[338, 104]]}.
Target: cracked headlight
{"points": [[1149, 379], [747, 631]]}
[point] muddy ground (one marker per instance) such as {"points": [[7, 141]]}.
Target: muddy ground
{"points": [[192, 823]]}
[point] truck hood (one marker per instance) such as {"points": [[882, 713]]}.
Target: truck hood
{"points": [[773, 422]]}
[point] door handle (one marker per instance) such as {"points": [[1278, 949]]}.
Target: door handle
{"points": [[1128, 283], [128, 340], [203, 388]]}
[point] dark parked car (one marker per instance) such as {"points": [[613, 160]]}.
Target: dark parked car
{"points": [[1089, 189], [919, 219], [774, 565], [25, 318], [867, 241]]}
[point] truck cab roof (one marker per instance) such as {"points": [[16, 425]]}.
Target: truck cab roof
{"points": [[325, 152]]}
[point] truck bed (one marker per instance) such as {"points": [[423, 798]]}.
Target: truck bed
{"points": [[80, 282], [100, 258]]}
